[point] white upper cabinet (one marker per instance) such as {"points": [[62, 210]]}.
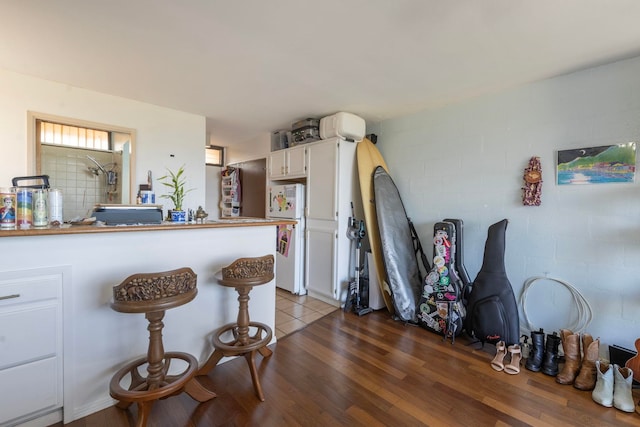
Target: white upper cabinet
{"points": [[288, 164], [322, 181]]}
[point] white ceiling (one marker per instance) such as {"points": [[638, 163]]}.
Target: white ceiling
{"points": [[253, 66]]}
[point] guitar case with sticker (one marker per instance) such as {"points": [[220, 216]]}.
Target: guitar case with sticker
{"points": [[467, 284], [397, 246], [441, 309], [492, 311]]}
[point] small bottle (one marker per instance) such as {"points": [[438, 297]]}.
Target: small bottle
{"points": [[40, 211], [55, 207], [24, 215], [7, 208]]}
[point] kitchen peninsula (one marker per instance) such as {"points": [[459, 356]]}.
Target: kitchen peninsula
{"points": [[60, 342]]}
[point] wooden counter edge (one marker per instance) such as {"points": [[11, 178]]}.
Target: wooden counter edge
{"points": [[92, 229]]}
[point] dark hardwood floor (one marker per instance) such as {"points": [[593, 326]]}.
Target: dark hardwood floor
{"points": [[373, 371]]}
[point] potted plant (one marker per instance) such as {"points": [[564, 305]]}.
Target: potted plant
{"points": [[176, 182]]}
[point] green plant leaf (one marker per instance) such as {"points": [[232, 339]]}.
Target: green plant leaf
{"points": [[176, 182]]}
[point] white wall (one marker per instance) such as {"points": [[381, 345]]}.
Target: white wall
{"points": [[466, 161], [160, 132], [252, 149]]}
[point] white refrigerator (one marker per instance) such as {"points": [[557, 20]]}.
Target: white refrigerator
{"points": [[287, 201]]}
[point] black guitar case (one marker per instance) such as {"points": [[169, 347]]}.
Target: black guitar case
{"points": [[440, 308], [492, 312]]}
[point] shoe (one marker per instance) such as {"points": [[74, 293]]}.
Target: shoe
{"points": [[622, 397], [603, 391], [513, 367], [501, 351], [572, 357], [550, 364], [536, 354], [586, 379]]}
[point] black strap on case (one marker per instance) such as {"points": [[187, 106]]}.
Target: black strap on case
{"points": [[417, 247]]}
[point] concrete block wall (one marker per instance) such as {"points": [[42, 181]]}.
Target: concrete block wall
{"points": [[467, 161]]}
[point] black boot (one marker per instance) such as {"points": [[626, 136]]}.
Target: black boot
{"points": [[550, 364], [536, 354]]}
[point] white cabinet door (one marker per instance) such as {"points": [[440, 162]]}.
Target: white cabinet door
{"points": [[288, 164], [321, 257], [30, 343], [39, 320], [29, 389], [278, 164], [322, 181], [297, 162]]}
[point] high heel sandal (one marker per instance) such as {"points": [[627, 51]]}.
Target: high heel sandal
{"points": [[501, 352], [514, 365]]}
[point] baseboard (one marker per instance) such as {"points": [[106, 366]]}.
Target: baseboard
{"points": [[43, 420], [95, 406]]}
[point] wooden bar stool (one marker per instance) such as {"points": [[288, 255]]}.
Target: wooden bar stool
{"points": [[152, 294], [243, 274]]}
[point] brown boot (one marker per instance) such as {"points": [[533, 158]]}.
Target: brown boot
{"points": [[572, 357], [586, 379]]}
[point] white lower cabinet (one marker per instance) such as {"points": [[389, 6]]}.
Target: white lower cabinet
{"points": [[30, 345], [321, 265], [28, 389]]}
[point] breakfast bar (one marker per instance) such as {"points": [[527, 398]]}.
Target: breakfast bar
{"points": [[60, 342]]}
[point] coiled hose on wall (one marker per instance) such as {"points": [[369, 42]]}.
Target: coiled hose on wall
{"points": [[585, 314]]}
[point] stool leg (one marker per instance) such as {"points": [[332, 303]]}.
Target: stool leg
{"points": [[144, 409], [155, 353], [243, 314], [250, 357], [211, 362], [265, 351], [197, 391], [136, 378]]}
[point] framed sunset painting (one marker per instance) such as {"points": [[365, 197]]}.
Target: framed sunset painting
{"points": [[597, 165]]}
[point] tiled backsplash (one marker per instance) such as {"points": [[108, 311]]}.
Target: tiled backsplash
{"points": [[69, 170]]}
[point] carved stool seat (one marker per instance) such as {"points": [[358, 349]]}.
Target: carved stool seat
{"points": [[243, 274], [152, 294]]}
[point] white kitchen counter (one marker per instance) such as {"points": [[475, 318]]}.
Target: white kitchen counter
{"points": [[96, 339]]}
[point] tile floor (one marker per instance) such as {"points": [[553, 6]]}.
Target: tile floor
{"points": [[294, 312]]}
